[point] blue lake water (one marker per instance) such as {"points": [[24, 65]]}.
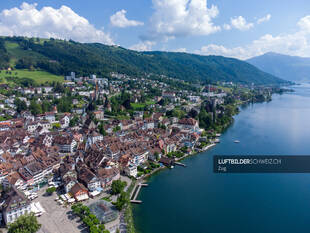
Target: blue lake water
{"points": [[196, 200]]}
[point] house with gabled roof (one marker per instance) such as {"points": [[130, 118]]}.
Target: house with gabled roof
{"points": [[79, 192], [89, 179]]}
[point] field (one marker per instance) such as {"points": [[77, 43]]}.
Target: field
{"points": [[140, 106], [37, 75]]}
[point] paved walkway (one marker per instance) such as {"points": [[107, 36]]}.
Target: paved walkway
{"points": [[57, 219]]}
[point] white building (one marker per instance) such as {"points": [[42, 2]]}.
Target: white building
{"points": [[32, 126], [131, 170], [65, 122], [14, 204]]}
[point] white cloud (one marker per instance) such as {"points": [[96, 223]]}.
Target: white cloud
{"points": [[143, 46], [304, 24], [264, 19], [240, 23], [62, 23], [297, 44], [178, 18], [226, 26], [119, 20], [180, 50]]}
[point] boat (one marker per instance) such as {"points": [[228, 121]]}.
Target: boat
{"points": [[236, 141]]}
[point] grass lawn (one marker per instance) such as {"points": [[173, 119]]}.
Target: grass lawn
{"points": [[150, 102], [38, 76], [137, 106]]}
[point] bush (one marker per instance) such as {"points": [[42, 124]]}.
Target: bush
{"points": [[50, 190]]}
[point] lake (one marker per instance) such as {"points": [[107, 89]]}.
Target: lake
{"points": [[194, 199]]}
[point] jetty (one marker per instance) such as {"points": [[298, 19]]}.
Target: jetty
{"points": [[180, 164], [136, 193]]}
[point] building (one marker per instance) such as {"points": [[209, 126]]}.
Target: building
{"points": [[34, 170], [107, 175], [15, 180], [32, 126], [14, 204], [50, 117], [79, 192], [65, 122], [99, 115], [69, 182], [66, 143], [188, 124], [131, 170], [89, 179], [94, 137]]}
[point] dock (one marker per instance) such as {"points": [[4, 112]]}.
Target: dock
{"points": [[180, 164], [137, 188], [136, 201]]}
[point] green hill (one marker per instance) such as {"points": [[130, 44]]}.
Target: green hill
{"points": [[60, 57]]}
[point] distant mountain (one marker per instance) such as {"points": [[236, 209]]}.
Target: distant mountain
{"points": [[290, 68], [60, 57]]}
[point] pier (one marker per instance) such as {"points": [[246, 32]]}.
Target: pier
{"points": [[136, 201], [136, 193], [180, 164]]}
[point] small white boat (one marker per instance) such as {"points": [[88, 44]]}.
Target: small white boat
{"points": [[236, 141]]}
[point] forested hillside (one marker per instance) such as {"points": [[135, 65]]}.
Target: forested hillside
{"points": [[60, 57]]}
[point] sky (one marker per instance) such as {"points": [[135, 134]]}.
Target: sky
{"points": [[232, 28]]}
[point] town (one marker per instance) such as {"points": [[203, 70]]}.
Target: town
{"points": [[84, 145]]}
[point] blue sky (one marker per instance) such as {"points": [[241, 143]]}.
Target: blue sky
{"points": [[234, 28]]}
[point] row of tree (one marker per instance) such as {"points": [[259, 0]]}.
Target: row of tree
{"points": [[90, 220]]}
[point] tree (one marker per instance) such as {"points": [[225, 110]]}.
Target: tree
{"points": [[25, 224], [117, 128], [58, 87], [94, 219], [193, 113], [94, 229], [50, 190], [118, 186], [176, 113], [74, 121], [102, 130], [101, 227], [156, 154], [77, 209], [88, 222], [46, 106], [91, 106], [122, 200], [20, 105], [163, 102], [64, 104], [205, 119], [35, 108]]}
